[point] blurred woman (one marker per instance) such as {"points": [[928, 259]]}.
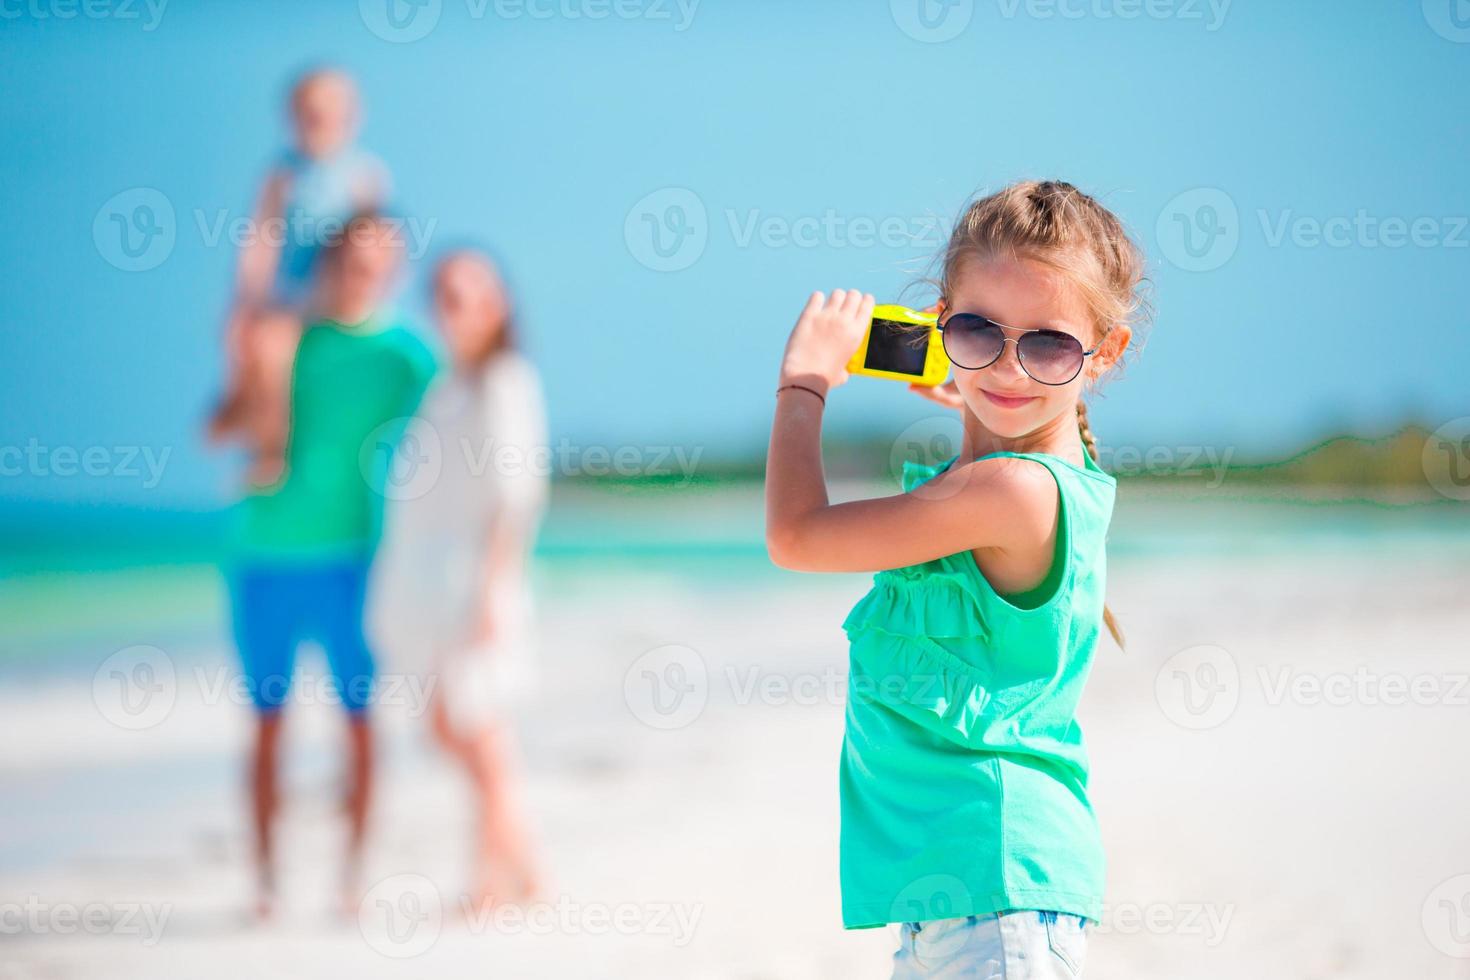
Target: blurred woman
{"points": [[452, 599]]}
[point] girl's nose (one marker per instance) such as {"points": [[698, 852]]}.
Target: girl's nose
{"points": [[1008, 365]]}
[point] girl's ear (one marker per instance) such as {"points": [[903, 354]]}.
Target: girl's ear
{"points": [[1112, 348], [937, 309]]}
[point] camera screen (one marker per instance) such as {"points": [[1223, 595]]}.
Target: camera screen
{"points": [[898, 347]]}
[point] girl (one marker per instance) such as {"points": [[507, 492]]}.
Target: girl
{"points": [[307, 197], [965, 814], [454, 602]]}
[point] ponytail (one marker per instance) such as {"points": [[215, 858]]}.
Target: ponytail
{"points": [[1084, 429]]}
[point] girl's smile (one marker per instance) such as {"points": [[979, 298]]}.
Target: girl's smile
{"points": [[1008, 401]]}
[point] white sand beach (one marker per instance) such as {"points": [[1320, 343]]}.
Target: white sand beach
{"points": [[1274, 766]]}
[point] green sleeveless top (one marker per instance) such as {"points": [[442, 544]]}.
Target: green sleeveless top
{"points": [[964, 774]]}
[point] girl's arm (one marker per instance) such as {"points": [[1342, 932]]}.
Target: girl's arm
{"points": [[999, 503]]}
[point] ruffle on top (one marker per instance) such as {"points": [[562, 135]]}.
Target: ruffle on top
{"points": [[927, 600], [915, 672], [897, 634]]}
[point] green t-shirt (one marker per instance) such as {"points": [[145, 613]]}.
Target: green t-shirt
{"points": [[964, 774], [353, 389]]}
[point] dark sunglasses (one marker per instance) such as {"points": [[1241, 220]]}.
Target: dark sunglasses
{"points": [[1051, 357]]}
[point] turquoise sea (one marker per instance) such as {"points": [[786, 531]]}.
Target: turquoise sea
{"points": [[79, 582]]}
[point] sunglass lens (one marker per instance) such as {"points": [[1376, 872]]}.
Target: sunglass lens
{"points": [[1050, 356], [972, 342]]}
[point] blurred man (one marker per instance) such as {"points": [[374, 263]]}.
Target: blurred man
{"points": [[305, 544]]}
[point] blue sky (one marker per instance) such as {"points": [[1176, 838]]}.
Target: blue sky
{"points": [[1296, 173]]}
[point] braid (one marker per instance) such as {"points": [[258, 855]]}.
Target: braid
{"points": [[1084, 429]]}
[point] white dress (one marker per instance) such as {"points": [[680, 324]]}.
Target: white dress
{"points": [[488, 434]]}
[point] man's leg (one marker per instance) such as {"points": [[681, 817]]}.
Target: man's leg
{"points": [[340, 607], [264, 636]]}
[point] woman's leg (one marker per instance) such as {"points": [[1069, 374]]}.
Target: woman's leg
{"points": [[506, 867]]}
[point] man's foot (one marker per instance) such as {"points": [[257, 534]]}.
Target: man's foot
{"points": [[349, 898], [265, 899]]}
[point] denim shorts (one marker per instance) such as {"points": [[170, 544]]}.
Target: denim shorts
{"points": [[1020, 945]]}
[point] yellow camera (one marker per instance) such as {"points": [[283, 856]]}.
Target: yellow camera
{"points": [[904, 345]]}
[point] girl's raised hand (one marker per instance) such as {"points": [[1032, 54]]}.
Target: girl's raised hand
{"points": [[826, 334]]}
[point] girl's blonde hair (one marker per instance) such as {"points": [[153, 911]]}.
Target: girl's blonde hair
{"points": [[1053, 223]]}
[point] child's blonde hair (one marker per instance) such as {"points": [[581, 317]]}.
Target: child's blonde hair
{"points": [[1053, 223]]}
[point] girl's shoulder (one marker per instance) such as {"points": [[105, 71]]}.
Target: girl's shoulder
{"points": [[1019, 471], [1010, 477]]}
